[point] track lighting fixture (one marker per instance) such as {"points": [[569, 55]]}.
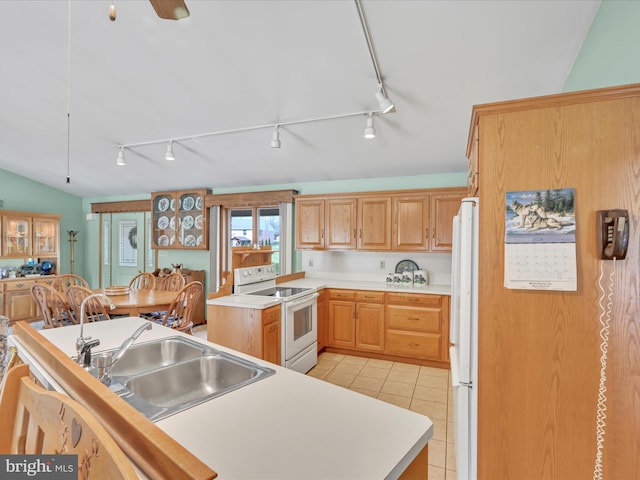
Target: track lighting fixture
{"points": [[169, 156], [275, 141], [370, 131], [121, 162], [383, 102]]}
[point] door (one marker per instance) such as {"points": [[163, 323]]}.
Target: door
{"points": [[126, 247]]}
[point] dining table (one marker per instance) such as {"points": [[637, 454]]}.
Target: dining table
{"points": [[137, 302]]}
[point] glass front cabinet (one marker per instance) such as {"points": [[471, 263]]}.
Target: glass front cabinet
{"points": [[179, 220], [28, 234]]}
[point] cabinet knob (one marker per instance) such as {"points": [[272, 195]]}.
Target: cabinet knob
{"points": [[414, 345], [19, 285]]}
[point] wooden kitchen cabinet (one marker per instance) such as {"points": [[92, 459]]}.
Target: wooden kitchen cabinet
{"points": [[356, 320], [326, 224], [271, 339], [310, 224], [27, 234], [411, 223], [342, 318], [374, 223], [179, 220], [406, 221], [418, 326], [323, 320], [16, 300], [472, 180], [423, 222], [444, 206], [253, 331]]}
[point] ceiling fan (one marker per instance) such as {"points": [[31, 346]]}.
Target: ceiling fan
{"points": [[170, 9]]}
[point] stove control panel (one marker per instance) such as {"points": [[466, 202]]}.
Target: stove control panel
{"points": [[249, 275]]}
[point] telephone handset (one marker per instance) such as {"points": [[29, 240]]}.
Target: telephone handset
{"points": [[613, 233]]}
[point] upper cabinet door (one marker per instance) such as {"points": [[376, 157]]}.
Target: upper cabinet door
{"points": [[310, 224], [374, 223], [341, 226], [411, 223], [45, 236], [443, 208], [163, 220], [17, 236], [191, 221], [179, 220]]}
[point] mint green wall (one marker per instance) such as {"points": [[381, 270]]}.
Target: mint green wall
{"points": [[362, 185], [610, 51], [20, 193]]}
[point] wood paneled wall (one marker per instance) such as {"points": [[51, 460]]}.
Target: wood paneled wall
{"points": [[539, 352]]}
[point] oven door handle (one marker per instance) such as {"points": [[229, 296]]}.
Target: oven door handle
{"points": [[302, 301]]}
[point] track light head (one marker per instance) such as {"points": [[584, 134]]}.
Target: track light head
{"points": [[275, 140], [370, 131], [169, 156], [121, 162], [384, 103]]}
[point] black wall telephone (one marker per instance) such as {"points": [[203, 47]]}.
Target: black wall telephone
{"points": [[613, 233]]}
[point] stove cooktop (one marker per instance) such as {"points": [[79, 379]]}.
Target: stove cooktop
{"points": [[280, 292]]}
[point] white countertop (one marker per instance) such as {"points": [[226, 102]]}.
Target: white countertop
{"points": [[286, 426], [257, 302]]}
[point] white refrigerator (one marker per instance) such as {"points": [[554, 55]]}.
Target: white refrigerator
{"points": [[464, 338]]}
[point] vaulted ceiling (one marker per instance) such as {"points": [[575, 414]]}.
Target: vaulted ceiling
{"points": [[237, 64]]}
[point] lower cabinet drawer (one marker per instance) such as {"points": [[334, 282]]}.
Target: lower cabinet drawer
{"points": [[413, 344], [420, 319]]}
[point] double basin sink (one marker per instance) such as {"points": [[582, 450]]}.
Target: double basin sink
{"points": [[166, 376]]}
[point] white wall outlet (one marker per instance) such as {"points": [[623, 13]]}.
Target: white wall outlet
{"points": [[311, 262], [382, 264]]}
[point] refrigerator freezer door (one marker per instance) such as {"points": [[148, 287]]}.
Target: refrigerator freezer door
{"points": [[462, 432]]}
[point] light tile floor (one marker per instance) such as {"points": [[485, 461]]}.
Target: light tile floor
{"points": [[424, 390]]}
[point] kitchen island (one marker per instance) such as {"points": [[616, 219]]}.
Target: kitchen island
{"points": [[287, 425]]}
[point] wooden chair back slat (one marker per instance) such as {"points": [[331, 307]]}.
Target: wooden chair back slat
{"points": [[143, 281], [95, 309], [181, 311], [37, 421], [54, 308]]}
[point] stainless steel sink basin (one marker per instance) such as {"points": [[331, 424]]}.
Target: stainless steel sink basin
{"points": [[166, 376], [191, 380], [139, 357]]}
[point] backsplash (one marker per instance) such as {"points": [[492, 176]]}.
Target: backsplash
{"points": [[367, 266]]}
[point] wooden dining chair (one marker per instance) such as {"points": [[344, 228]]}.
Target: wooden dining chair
{"points": [[180, 313], [54, 308], [173, 282], [62, 282], [40, 422], [143, 281], [95, 309]]}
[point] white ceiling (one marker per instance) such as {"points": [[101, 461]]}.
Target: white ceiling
{"points": [[235, 64]]}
